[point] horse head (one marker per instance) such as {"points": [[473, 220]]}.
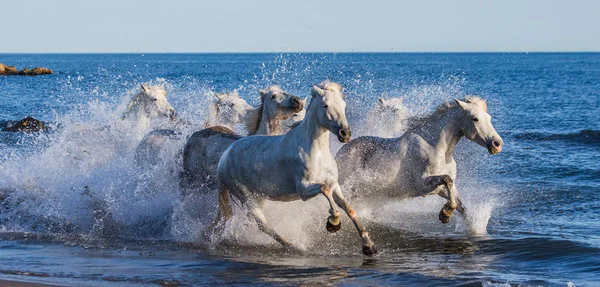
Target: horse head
{"points": [[151, 102], [328, 100], [477, 124], [230, 109], [278, 104]]}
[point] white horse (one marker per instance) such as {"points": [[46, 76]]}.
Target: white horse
{"points": [[151, 102], [203, 149], [142, 111], [286, 125], [228, 109], [297, 165], [420, 162], [386, 118]]}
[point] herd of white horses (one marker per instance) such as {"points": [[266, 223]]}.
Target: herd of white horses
{"points": [[286, 154]]}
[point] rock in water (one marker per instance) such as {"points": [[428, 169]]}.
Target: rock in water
{"points": [[12, 70], [41, 71], [27, 124]]}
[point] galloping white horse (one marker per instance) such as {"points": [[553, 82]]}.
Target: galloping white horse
{"points": [[150, 102], [203, 149], [387, 117], [146, 106], [228, 109], [420, 162], [297, 165]]}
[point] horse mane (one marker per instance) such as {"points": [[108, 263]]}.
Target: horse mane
{"points": [[328, 86], [254, 117], [418, 121]]}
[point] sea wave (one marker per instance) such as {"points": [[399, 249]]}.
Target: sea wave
{"points": [[588, 137]]}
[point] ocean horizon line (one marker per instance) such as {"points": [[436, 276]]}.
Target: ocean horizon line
{"points": [[259, 53]]}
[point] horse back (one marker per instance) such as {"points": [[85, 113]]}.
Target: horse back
{"points": [[364, 157], [201, 155]]}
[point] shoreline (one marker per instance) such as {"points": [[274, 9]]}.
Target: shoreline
{"points": [[15, 282]]}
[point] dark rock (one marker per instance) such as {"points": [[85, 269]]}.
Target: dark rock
{"points": [[12, 70], [27, 124], [41, 71], [25, 71]]}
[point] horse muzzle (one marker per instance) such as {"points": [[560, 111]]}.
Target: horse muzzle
{"points": [[172, 116], [495, 146], [344, 135], [297, 104]]}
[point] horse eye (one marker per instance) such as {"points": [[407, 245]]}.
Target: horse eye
{"points": [[325, 106], [273, 96], [232, 104], [475, 119], [155, 99]]}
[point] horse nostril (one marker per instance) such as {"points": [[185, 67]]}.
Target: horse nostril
{"points": [[297, 101], [343, 133], [496, 143]]}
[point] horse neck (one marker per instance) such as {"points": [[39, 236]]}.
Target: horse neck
{"points": [[312, 131], [268, 126], [443, 133]]}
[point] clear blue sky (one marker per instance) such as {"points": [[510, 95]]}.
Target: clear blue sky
{"points": [[34, 26]]}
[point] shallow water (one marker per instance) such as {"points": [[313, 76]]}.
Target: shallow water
{"points": [[76, 210]]}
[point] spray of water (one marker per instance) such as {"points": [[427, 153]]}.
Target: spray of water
{"points": [[82, 178]]}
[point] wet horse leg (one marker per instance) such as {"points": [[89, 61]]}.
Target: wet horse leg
{"points": [[431, 183], [309, 190], [367, 245], [333, 222], [263, 224]]}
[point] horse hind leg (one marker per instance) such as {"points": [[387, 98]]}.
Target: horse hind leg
{"points": [[263, 224]]}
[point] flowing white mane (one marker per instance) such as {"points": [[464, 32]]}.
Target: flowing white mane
{"points": [[418, 121]]}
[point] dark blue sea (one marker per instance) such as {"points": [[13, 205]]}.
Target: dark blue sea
{"points": [[75, 210]]}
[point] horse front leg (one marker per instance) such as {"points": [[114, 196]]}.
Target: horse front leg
{"points": [[368, 247], [333, 221], [306, 191], [431, 183]]}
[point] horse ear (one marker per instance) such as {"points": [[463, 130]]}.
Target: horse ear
{"points": [[261, 92], [220, 97], [381, 100], [305, 100], [462, 104], [318, 91], [144, 88]]}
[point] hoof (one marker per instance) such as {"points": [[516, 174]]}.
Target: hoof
{"points": [[445, 216], [332, 227], [369, 251]]}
